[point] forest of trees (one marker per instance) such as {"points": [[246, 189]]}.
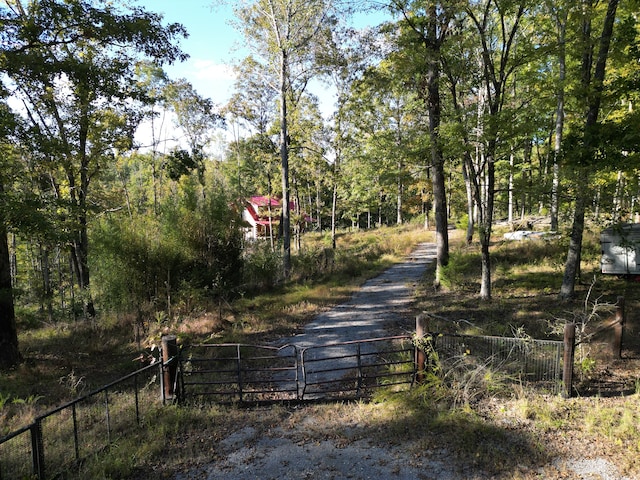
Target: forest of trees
{"points": [[451, 112]]}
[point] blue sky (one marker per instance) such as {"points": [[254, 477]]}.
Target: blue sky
{"points": [[212, 44]]}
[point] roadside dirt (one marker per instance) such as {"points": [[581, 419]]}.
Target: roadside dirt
{"points": [[305, 444]]}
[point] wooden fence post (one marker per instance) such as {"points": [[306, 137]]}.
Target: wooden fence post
{"points": [[569, 351], [169, 350], [618, 326], [422, 328]]}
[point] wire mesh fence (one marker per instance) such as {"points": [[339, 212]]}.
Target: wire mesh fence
{"points": [[525, 360], [58, 440]]}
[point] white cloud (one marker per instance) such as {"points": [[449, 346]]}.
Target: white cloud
{"points": [[209, 70], [210, 79]]}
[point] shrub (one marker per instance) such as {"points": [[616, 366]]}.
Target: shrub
{"points": [[262, 266], [192, 243]]}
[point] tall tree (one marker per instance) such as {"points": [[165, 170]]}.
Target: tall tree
{"points": [[72, 66], [342, 62], [560, 13], [429, 22], [592, 80], [283, 34], [195, 115], [386, 118], [9, 351], [497, 24]]}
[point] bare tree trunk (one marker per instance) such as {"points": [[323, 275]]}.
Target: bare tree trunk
{"points": [[468, 170], [510, 201], [486, 225], [432, 44], [572, 265], [9, 352], [617, 198], [561, 23], [284, 157], [399, 196], [470, 203], [334, 208], [46, 281], [318, 207]]}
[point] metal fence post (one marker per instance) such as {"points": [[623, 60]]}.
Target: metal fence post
{"points": [[618, 326], [569, 351], [422, 328], [37, 449]]}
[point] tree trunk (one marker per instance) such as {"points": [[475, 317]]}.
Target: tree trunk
{"points": [[617, 198], [470, 203], [334, 205], [432, 48], [399, 195], [561, 23], [318, 206], [468, 169], [485, 281], [510, 193], [46, 281], [80, 256], [440, 202], [572, 265], [284, 157], [9, 352], [486, 225], [270, 213]]}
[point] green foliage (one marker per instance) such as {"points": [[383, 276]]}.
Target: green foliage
{"points": [[180, 162], [195, 242], [458, 381], [212, 238], [463, 222], [262, 266]]}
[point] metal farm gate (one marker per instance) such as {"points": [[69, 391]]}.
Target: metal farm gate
{"points": [[248, 373]]}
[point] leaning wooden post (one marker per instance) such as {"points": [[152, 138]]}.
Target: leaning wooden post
{"points": [[422, 328], [169, 370], [618, 326], [569, 351]]}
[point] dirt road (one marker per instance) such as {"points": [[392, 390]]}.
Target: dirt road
{"points": [[381, 300]]}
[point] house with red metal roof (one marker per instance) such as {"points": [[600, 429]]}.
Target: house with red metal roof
{"points": [[262, 214]]}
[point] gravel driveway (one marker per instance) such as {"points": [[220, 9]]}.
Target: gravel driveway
{"points": [[381, 300], [288, 452]]}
